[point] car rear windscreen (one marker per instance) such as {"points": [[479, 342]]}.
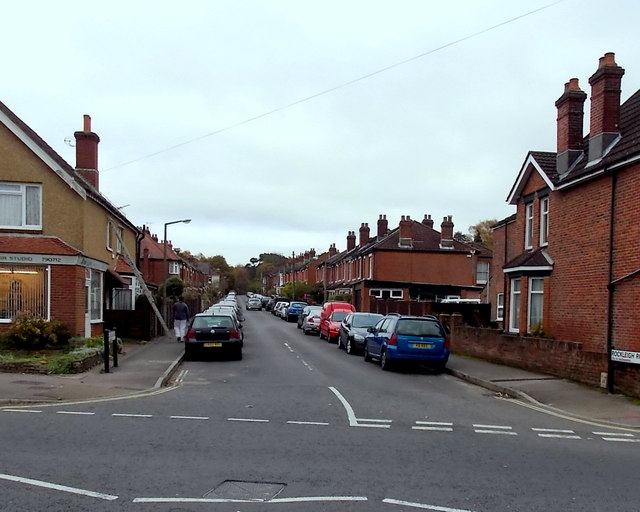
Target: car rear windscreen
{"points": [[410, 327]]}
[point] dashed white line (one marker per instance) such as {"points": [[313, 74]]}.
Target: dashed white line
{"points": [[250, 420], [616, 436], [556, 433], [120, 415], [303, 499], [76, 413], [56, 487], [317, 499], [189, 417], [22, 410], [307, 365], [494, 430], [433, 426], [321, 423], [422, 506]]}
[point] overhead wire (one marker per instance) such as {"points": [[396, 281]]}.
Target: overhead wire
{"points": [[335, 88]]}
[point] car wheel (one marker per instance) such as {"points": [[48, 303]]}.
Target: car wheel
{"points": [[187, 352], [305, 332], [439, 367], [367, 356], [349, 347], [321, 335], [239, 354], [385, 363]]}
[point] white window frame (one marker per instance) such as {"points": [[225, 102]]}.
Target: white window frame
{"points": [[500, 307], [528, 225], [22, 193], [109, 246], [174, 268], [120, 232], [531, 293], [485, 264], [371, 266], [514, 312], [544, 221], [396, 294], [96, 296]]}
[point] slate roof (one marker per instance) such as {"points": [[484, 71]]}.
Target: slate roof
{"points": [[90, 190], [628, 145], [36, 244], [537, 258]]}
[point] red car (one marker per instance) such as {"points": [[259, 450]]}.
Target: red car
{"points": [[330, 327]]}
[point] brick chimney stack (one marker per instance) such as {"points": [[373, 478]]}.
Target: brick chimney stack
{"points": [[569, 125], [332, 250], [364, 234], [383, 226], [87, 153], [351, 240], [406, 232], [605, 106], [446, 233], [428, 221]]}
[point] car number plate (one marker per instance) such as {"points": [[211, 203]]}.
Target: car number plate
{"points": [[423, 345], [213, 344]]}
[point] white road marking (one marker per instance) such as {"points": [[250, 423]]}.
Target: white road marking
{"points": [[290, 349], [494, 429], [307, 423], [556, 433], [554, 430], [21, 410], [619, 437], [254, 420], [317, 499], [422, 506], [76, 413], [56, 487], [181, 376], [353, 421], [189, 417], [276, 500], [132, 415], [190, 500], [433, 426], [307, 365]]}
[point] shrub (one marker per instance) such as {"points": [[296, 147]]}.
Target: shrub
{"points": [[31, 333]]}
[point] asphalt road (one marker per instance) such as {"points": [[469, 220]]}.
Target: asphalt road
{"points": [[300, 425]]}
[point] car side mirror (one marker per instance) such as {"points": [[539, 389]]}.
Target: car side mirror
{"points": [[239, 325], [371, 329]]}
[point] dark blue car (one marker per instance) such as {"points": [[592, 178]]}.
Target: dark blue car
{"points": [[395, 338], [293, 311]]}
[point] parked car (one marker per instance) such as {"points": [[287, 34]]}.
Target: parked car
{"points": [[353, 330], [254, 303], [331, 325], [311, 323], [292, 311], [273, 301], [305, 311], [213, 334], [277, 309], [396, 338], [328, 308]]}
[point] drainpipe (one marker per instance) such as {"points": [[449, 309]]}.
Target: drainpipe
{"points": [[611, 288]]}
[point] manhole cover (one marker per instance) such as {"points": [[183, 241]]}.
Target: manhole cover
{"points": [[238, 490]]}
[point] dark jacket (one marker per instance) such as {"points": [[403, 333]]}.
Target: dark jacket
{"points": [[180, 311]]}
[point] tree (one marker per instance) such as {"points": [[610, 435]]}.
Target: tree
{"points": [[482, 232], [461, 237]]}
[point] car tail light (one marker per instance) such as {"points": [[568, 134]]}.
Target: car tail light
{"points": [[447, 342], [233, 333], [393, 340], [191, 334]]}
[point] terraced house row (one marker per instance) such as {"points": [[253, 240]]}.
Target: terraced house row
{"points": [[563, 279]]}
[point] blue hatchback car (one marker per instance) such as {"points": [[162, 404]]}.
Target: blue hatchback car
{"points": [[395, 338], [293, 311]]}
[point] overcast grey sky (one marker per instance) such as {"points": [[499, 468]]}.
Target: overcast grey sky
{"points": [[170, 86]]}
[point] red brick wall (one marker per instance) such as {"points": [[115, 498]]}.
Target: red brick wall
{"points": [[68, 296], [421, 267], [564, 359]]}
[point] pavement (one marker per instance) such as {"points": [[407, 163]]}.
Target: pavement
{"points": [[148, 367]]}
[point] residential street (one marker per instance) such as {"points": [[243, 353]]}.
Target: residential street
{"points": [[301, 424]]}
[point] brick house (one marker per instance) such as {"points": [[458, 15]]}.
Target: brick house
{"points": [[567, 263], [60, 257], [412, 262]]}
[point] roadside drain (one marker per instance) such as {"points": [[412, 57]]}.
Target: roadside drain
{"points": [[238, 490]]}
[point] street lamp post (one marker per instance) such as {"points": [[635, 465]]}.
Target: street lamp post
{"points": [[165, 266]]}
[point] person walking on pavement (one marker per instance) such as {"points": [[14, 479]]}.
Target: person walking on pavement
{"points": [[180, 317]]}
